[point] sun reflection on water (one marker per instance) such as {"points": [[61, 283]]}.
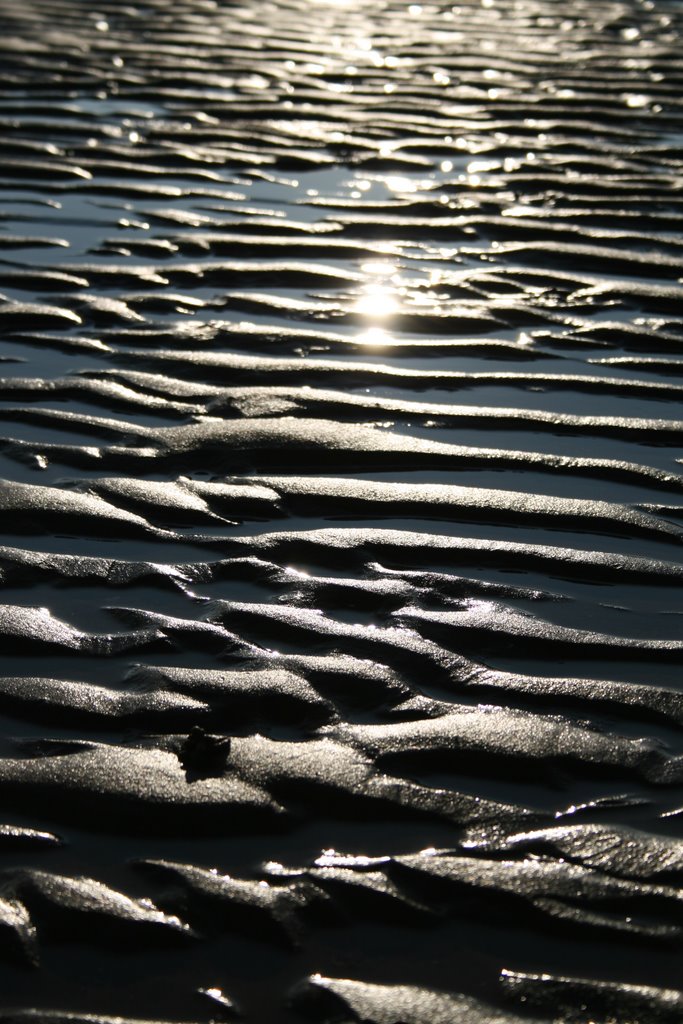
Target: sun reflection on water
{"points": [[378, 298], [379, 267], [375, 337], [377, 301]]}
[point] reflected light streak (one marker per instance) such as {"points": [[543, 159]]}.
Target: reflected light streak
{"points": [[397, 183], [376, 337], [377, 302], [380, 267]]}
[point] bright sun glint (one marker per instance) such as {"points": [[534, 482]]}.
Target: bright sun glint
{"points": [[376, 337], [377, 302], [379, 267], [397, 183]]}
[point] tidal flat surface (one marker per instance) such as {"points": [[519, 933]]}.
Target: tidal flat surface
{"points": [[341, 507]]}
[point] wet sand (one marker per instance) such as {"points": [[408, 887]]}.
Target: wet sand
{"points": [[341, 511]]}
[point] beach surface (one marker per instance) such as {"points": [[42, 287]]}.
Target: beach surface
{"points": [[341, 507]]}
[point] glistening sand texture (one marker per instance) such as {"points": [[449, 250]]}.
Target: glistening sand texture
{"points": [[341, 507]]}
